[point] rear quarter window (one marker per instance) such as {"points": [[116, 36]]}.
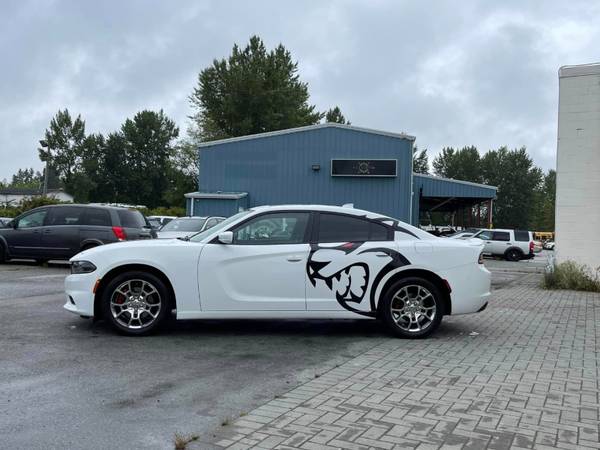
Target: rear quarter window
{"points": [[521, 236], [131, 219]]}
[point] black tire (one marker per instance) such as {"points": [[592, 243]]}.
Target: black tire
{"points": [[513, 254], [396, 324], [162, 312], [3, 255], [41, 261]]}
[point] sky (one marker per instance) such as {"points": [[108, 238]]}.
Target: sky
{"points": [[450, 73]]}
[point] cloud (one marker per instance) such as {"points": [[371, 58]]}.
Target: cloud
{"points": [[482, 73]]}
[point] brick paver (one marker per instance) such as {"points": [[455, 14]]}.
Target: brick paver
{"points": [[522, 374]]}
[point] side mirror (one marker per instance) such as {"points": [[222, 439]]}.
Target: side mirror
{"points": [[226, 237]]}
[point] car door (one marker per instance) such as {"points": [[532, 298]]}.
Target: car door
{"points": [[500, 242], [263, 269], [60, 235], [486, 237], [347, 254], [25, 239]]}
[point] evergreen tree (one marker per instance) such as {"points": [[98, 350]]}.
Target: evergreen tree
{"points": [[420, 161], [252, 91], [335, 115]]}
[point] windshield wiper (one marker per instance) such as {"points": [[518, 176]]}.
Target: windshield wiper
{"points": [[185, 238]]}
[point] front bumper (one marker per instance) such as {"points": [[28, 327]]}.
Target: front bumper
{"points": [[471, 285], [79, 291]]}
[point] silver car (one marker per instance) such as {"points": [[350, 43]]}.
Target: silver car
{"points": [[182, 227]]}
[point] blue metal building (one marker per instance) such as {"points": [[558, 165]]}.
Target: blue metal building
{"points": [[324, 164]]}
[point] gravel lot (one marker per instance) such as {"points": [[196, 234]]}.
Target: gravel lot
{"points": [[65, 382]]}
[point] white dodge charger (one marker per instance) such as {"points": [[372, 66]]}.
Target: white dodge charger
{"points": [[286, 261]]}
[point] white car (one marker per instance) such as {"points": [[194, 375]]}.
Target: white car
{"points": [[182, 227], [274, 262], [512, 245]]}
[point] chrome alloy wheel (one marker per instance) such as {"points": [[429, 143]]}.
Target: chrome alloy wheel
{"points": [[413, 308], [135, 304]]}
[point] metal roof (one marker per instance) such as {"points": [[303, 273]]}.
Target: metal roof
{"points": [[470, 183], [217, 195], [308, 128], [440, 187]]}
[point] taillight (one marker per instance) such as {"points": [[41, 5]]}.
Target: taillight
{"points": [[531, 246], [480, 260], [119, 233]]}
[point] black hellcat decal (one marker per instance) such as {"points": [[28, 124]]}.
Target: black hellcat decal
{"points": [[347, 275]]}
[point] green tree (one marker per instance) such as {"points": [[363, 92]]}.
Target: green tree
{"points": [[335, 115], [545, 220], [252, 91], [420, 161], [27, 178], [182, 173], [64, 139], [517, 179], [463, 164], [148, 141]]}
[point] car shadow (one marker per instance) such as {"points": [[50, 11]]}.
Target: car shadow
{"points": [[31, 263], [285, 328]]}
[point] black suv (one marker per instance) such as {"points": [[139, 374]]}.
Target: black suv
{"points": [[61, 231]]}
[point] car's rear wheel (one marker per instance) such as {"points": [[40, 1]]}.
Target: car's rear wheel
{"points": [[513, 255], [136, 303], [412, 308]]}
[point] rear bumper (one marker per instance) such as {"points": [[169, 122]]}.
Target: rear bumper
{"points": [[470, 286], [79, 294]]}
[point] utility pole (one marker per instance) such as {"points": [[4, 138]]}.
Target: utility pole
{"points": [[44, 144]]}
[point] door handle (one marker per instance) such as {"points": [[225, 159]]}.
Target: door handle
{"points": [[294, 258], [47, 231]]}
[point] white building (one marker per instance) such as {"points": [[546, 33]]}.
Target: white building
{"points": [[578, 165], [14, 196]]}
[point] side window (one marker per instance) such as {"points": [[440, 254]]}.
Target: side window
{"points": [[276, 228], [501, 236], [97, 217], [484, 235], [35, 219], [65, 215], [342, 228], [521, 236]]}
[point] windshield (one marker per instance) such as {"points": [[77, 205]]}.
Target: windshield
{"points": [[185, 224], [221, 226]]}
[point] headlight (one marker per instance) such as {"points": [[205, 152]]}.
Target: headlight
{"points": [[82, 267]]}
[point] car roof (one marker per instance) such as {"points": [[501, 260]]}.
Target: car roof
{"points": [[327, 208], [84, 205]]}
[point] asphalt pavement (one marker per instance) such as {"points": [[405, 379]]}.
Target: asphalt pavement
{"points": [[68, 383]]}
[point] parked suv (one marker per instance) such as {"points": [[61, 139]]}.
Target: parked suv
{"points": [[513, 245], [61, 231]]}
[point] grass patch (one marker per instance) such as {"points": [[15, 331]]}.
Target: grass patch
{"points": [[573, 276], [181, 440]]}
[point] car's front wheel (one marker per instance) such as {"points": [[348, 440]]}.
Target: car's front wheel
{"points": [[412, 308], [136, 303]]}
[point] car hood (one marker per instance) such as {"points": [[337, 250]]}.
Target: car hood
{"points": [[126, 245], [173, 234]]}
